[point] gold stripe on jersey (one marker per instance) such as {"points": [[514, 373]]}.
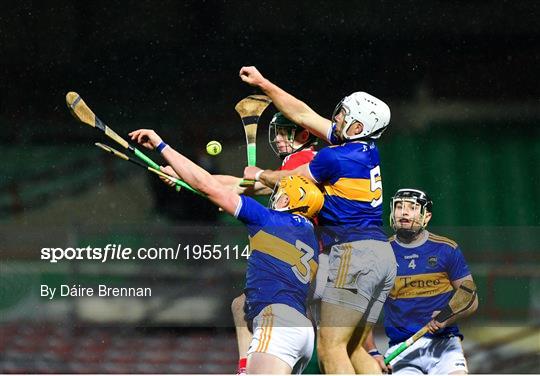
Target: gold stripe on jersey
{"points": [[356, 189], [343, 266], [442, 239], [282, 250], [421, 285], [392, 238]]}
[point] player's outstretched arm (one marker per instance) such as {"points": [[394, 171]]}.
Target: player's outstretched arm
{"points": [[188, 171], [233, 183], [270, 177], [294, 109]]}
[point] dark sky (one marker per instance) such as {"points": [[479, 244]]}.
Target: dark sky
{"points": [[159, 60], [173, 65]]}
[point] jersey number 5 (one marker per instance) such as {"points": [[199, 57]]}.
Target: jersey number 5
{"points": [[376, 185]]}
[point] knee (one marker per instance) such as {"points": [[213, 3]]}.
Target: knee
{"points": [[326, 346], [237, 305]]}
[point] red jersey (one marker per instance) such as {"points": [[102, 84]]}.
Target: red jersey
{"points": [[297, 159]]}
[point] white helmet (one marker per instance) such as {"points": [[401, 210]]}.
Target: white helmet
{"points": [[373, 113]]}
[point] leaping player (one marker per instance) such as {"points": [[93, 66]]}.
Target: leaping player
{"points": [[284, 254], [361, 262], [294, 145]]}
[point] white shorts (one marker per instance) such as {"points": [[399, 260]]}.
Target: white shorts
{"points": [[360, 276], [284, 332], [438, 356]]}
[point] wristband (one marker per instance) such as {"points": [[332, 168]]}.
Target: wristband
{"points": [[374, 352], [162, 145], [258, 175]]}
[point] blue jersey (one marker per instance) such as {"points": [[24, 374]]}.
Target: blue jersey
{"points": [[351, 178], [283, 259], [423, 285]]}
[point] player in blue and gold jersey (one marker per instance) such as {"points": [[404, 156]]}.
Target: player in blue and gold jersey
{"points": [[361, 266], [430, 268], [283, 260]]}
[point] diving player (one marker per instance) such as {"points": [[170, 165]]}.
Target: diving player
{"points": [[361, 262], [430, 268], [283, 260]]}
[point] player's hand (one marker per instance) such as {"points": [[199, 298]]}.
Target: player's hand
{"points": [[146, 137], [169, 171], [250, 172], [386, 369], [251, 76], [434, 326]]}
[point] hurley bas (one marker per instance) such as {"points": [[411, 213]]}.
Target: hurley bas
{"points": [[101, 291]]}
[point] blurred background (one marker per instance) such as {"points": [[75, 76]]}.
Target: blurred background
{"points": [[460, 77]]}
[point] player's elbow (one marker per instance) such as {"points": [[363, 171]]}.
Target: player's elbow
{"points": [[237, 305]]}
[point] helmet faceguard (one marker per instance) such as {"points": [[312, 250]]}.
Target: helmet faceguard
{"points": [[305, 198], [418, 222], [287, 130], [364, 108]]}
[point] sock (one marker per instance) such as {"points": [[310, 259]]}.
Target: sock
{"points": [[242, 362]]}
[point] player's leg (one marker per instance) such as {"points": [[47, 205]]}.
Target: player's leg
{"points": [[337, 327], [384, 270], [314, 314], [416, 359], [318, 287], [340, 313], [243, 335], [262, 363], [366, 282], [451, 357], [362, 362]]}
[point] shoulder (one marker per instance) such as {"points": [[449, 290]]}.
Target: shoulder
{"points": [[442, 240], [364, 147], [300, 220], [327, 153], [297, 159], [308, 154], [250, 211], [359, 151], [248, 202], [291, 221]]}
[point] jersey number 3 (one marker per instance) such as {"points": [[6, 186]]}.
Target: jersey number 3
{"points": [[303, 262]]}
